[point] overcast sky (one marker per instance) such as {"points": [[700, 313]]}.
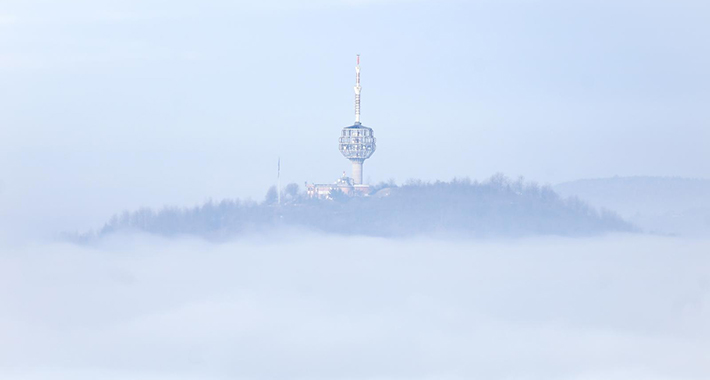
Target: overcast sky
{"points": [[111, 105]]}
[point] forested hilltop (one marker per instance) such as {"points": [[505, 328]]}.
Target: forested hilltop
{"points": [[496, 207]]}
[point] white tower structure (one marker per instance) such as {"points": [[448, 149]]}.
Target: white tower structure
{"points": [[357, 142]]}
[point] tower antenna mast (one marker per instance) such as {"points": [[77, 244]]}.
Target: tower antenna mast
{"points": [[358, 89]]}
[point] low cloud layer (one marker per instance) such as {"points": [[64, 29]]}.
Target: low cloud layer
{"points": [[357, 308]]}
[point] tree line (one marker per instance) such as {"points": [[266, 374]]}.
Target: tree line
{"points": [[498, 206]]}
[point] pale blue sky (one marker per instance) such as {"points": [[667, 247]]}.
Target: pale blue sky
{"points": [[112, 105]]}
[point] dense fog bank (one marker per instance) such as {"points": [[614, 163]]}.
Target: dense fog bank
{"points": [[324, 307], [497, 207]]}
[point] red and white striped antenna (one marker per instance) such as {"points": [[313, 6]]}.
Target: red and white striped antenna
{"points": [[358, 89]]}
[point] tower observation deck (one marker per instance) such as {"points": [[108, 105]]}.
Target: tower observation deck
{"points": [[357, 142]]}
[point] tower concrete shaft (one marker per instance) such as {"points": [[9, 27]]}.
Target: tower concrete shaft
{"points": [[357, 171]]}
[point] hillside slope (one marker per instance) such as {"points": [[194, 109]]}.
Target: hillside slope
{"points": [[658, 204]]}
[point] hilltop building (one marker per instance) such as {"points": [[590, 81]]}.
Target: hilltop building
{"points": [[344, 184]]}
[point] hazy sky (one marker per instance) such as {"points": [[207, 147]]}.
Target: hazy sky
{"points": [[109, 105]]}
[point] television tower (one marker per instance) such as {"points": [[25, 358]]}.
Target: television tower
{"points": [[357, 142]]}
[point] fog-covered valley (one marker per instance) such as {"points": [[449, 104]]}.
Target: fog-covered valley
{"points": [[297, 305], [516, 282]]}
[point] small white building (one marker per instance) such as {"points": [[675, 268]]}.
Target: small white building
{"points": [[344, 184]]}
